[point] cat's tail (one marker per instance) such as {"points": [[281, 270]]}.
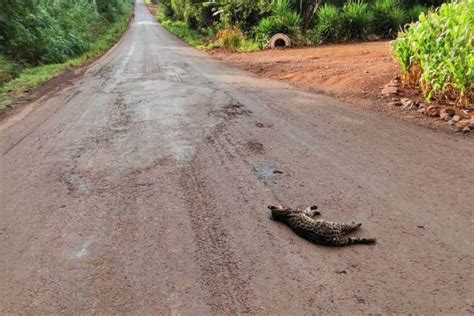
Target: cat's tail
{"points": [[339, 242]]}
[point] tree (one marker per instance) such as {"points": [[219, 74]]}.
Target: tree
{"points": [[308, 9]]}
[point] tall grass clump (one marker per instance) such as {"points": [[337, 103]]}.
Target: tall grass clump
{"points": [[329, 26], [415, 12], [388, 18], [8, 69], [230, 38], [41, 38], [356, 20], [281, 20], [438, 53], [45, 32]]}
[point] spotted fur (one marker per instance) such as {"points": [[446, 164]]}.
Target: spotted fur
{"points": [[322, 232]]}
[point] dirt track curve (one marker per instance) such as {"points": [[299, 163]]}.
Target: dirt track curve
{"points": [[142, 187]]}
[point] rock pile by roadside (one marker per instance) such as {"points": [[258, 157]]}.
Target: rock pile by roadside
{"points": [[461, 120]]}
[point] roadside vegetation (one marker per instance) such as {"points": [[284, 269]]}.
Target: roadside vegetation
{"points": [[247, 25], [39, 39], [437, 53]]}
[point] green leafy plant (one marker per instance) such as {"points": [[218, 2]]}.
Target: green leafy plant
{"points": [[8, 69], [39, 39], [230, 38], [356, 20], [388, 17], [43, 31], [415, 12], [329, 26], [270, 25], [282, 20], [438, 53]]}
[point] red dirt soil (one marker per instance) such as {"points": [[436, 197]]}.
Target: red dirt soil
{"points": [[355, 73]]}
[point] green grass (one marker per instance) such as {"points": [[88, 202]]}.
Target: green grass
{"points": [[202, 39], [192, 37], [31, 78], [8, 69], [248, 46]]}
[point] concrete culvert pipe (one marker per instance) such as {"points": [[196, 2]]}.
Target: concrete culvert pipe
{"points": [[280, 40]]}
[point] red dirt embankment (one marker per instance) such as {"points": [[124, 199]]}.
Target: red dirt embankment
{"points": [[353, 72]]}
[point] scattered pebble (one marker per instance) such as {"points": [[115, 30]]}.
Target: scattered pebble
{"points": [[433, 110], [389, 90], [422, 110], [462, 120], [449, 111], [462, 123], [444, 116], [395, 103]]}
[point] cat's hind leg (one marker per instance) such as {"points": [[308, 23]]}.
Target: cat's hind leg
{"points": [[311, 211], [348, 228]]}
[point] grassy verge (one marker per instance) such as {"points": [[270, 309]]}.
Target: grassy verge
{"points": [[194, 38], [204, 39], [31, 78]]}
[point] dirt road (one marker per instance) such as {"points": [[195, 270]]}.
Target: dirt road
{"points": [[142, 188]]}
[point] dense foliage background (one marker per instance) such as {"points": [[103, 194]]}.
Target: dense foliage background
{"points": [[305, 21], [51, 31], [41, 38]]}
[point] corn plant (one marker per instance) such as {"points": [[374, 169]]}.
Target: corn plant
{"points": [[438, 52]]}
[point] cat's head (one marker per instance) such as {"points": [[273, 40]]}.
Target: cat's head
{"points": [[281, 213]]}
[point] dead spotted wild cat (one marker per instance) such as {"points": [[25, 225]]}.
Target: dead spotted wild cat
{"points": [[322, 232]]}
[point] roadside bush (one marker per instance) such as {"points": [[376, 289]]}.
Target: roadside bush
{"points": [[415, 12], [165, 11], [438, 53], [388, 18], [178, 7], [230, 38], [24, 77], [329, 26], [8, 69], [356, 20], [242, 14], [269, 26], [44, 31], [112, 9], [282, 20], [288, 24]]}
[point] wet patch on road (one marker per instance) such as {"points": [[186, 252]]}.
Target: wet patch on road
{"points": [[267, 172], [75, 182], [83, 251]]}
